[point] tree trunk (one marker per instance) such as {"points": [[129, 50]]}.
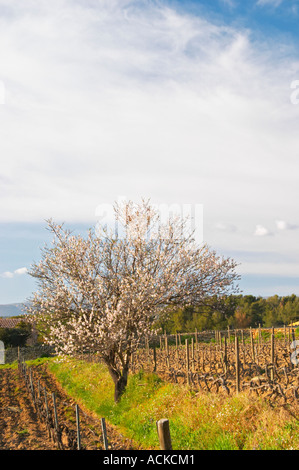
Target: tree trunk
{"points": [[119, 387], [120, 379]]}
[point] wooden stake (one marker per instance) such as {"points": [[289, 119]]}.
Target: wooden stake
{"points": [[225, 355], [252, 345], [155, 358], [56, 421], [192, 354], [78, 428], [164, 434], [187, 361], [167, 352], [47, 413], [272, 355], [104, 431], [237, 365]]}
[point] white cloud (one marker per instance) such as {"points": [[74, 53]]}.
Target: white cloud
{"points": [[17, 272], [272, 3], [7, 274], [261, 231], [21, 271], [229, 3], [283, 225], [110, 98]]}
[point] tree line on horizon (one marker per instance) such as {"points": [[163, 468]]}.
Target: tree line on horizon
{"points": [[234, 311]]}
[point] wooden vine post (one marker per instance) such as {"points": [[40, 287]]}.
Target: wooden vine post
{"points": [[187, 361], [78, 427], [192, 354], [176, 346], [252, 345], [59, 445], [237, 364], [225, 355], [47, 413], [104, 432], [272, 354], [155, 358], [167, 352], [164, 434]]}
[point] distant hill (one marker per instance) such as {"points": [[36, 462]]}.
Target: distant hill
{"points": [[11, 310]]}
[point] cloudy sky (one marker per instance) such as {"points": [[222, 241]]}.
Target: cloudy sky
{"points": [[187, 102]]}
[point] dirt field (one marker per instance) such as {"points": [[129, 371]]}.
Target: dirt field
{"points": [[19, 427], [22, 429]]}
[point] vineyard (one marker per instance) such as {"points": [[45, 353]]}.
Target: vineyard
{"points": [[38, 413], [258, 361]]}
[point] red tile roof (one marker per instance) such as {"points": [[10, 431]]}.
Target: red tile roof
{"points": [[10, 322]]}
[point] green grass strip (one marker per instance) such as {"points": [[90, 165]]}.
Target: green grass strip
{"points": [[197, 421]]}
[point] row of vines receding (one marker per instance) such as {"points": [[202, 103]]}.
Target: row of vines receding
{"points": [[262, 362]]}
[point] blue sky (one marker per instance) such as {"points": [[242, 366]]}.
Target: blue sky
{"points": [[183, 102]]}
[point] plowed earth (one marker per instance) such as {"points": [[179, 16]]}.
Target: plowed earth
{"points": [[22, 429]]}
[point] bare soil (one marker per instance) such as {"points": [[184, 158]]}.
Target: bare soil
{"points": [[22, 429]]}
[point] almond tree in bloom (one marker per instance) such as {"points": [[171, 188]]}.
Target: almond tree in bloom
{"points": [[103, 293]]}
